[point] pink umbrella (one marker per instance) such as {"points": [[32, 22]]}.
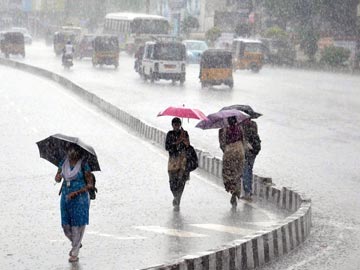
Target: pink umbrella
{"points": [[183, 112]]}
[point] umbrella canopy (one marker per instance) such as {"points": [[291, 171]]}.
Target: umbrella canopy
{"points": [[244, 108], [53, 149], [183, 112], [219, 119]]}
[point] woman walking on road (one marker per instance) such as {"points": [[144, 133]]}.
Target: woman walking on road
{"points": [[231, 143], [75, 201], [177, 140]]}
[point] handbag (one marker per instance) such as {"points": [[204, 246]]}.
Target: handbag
{"points": [[191, 159]]}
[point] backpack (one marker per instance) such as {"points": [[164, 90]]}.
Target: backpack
{"points": [[191, 159], [93, 191], [255, 144]]}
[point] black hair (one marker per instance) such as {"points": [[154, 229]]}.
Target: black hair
{"points": [[232, 120], [176, 120]]}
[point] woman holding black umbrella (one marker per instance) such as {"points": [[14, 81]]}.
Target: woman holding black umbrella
{"points": [[75, 201]]}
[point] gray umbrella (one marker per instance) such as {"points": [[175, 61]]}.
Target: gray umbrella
{"points": [[244, 108], [53, 149]]}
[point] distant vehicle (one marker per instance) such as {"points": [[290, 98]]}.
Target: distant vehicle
{"points": [[106, 51], [85, 47], [216, 68], [77, 30], [25, 32], [12, 43], [279, 51], [164, 60], [247, 54], [134, 29], [139, 55], [60, 39], [194, 50]]}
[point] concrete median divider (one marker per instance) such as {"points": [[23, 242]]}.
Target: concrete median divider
{"points": [[246, 253]]}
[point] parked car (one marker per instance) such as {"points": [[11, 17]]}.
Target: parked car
{"points": [[194, 50], [25, 32], [164, 60]]}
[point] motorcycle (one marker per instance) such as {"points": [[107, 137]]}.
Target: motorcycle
{"points": [[67, 61]]}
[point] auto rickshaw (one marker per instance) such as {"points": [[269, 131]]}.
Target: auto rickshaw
{"points": [[106, 50], [247, 54], [60, 39], [216, 68], [12, 43]]}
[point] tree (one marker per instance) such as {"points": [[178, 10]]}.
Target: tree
{"points": [[276, 32], [212, 34], [188, 24], [243, 30]]}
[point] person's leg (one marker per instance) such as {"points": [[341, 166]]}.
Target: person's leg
{"points": [[67, 231], [177, 185], [77, 235], [248, 175]]}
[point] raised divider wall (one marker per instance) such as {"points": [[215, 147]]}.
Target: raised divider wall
{"points": [[246, 253]]}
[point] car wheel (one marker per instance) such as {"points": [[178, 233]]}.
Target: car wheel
{"points": [[152, 77], [254, 68]]}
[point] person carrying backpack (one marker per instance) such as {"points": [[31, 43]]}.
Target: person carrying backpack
{"points": [[251, 135]]}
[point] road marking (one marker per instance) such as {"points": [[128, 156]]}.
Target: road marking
{"points": [[171, 232], [130, 237], [226, 229]]}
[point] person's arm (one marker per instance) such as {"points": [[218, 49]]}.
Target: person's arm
{"points": [[89, 183], [222, 140], [170, 143], [58, 176]]}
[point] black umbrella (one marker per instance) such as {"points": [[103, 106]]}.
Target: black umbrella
{"points": [[53, 149], [244, 108]]}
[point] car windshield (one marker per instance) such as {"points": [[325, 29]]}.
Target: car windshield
{"points": [[216, 61], [253, 47], [196, 46], [106, 44], [170, 51]]}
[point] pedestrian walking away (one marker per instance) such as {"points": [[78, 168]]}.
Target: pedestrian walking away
{"points": [[75, 201], [252, 138], [231, 141], [176, 143]]}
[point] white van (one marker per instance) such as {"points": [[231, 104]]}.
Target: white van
{"points": [[164, 60]]}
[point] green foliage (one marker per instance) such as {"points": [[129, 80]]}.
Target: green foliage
{"points": [[189, 23], [275, 32], [243, 30], [309, 38], [335, 56], [212, 34]]}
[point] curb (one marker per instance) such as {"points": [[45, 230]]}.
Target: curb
{"points": [[246, 253]]}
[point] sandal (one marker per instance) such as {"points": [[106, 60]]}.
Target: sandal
{"points": [[71, 249], [73, 259]]}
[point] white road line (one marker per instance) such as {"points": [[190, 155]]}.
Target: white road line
{"points": [[117, 237], [171, 232], [226, 229]]}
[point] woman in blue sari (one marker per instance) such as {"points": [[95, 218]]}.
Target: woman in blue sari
{"points": [[75, 201]]}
